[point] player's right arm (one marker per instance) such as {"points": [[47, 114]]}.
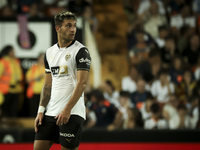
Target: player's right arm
{"points": [[44, 99], [45, 95]]}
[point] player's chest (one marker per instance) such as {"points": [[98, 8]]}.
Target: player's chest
{"points": [[65, 58]]}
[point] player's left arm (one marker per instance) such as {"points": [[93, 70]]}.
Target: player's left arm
{"points": [[83, 66]]}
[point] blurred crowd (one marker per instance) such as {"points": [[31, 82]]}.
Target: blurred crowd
{"points": [[34, 9], [43, 8], [162, 90]]}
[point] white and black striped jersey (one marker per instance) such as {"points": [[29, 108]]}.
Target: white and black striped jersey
{"points": [[63, 64]]}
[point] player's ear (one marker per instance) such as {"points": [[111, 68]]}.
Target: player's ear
{"points": [[57, 27]]}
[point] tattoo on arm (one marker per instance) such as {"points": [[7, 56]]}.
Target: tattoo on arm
{"points": [[45, 95]]}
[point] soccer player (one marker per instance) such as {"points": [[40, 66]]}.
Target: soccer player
{"points": [[61, 111]]}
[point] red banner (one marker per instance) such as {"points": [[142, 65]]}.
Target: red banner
{"points": [[113, 146]]}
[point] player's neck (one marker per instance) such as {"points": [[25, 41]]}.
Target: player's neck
{"points": [[64, 43]]}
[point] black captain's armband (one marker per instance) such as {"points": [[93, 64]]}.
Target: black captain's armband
{"points": [[83, 59], [46, 64]]}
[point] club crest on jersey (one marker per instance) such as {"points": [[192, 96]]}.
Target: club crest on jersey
{"points": [[67, 57]]}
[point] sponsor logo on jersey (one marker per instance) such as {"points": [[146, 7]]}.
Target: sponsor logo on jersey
{"points": [[55, 70], [59, 71], [82, 60], [67, 134], [68, 140], [67, 57]]}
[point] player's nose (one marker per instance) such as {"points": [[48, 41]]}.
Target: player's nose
{"points": [[73, 29]]}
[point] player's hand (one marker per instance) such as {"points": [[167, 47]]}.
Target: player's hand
{"points": [[38, 120], [63, 117]]}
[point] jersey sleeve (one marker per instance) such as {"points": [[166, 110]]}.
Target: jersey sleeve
{"points": [[46, 64], [83, 59]]}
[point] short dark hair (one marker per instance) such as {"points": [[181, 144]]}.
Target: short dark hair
{"points": [[187, 69], [59, 18], [155, 108], [140, 31], [163, 27], [169, 37], [109, 82], [98, 95], [124, 94], [149, 96], [177, 57], [5, 51], [181, 107], [137, 117], [154, 52], [163, 71], [184, 30]]}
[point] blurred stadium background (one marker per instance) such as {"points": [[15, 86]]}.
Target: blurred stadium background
{"points": [[131, 42]]}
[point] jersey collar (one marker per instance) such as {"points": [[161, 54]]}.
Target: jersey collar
{"points": [[67, 46]]}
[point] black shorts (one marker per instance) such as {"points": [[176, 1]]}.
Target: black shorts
{"points": [[67, 134]]}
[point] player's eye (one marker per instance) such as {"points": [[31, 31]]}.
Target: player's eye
{"points": [[70, 26]]}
